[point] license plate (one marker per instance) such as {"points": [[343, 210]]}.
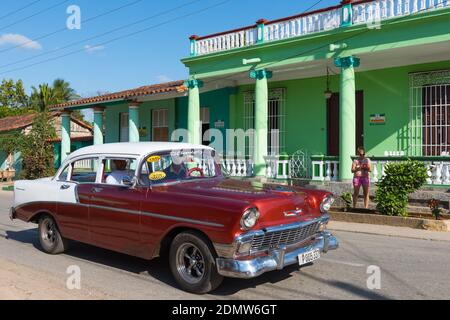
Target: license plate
{"points": [[308, 257]]}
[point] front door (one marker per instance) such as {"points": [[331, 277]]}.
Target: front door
{"points": [[333, 122], [114, 217]]}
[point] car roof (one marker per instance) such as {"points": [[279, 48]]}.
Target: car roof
{"points": [[139, 149]]}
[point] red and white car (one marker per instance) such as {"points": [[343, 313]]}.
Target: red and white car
{"points": [[148, 199]]}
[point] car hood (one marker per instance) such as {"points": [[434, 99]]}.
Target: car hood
{"points": [[273, 201]]}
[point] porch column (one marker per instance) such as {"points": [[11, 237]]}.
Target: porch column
{"points": [[194, 125], [347, 115], [133, 118], [98, 125], [261, 119], [65, 135]]}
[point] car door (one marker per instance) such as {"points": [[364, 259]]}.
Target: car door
{"points": [[114, 214], [73, 200]]}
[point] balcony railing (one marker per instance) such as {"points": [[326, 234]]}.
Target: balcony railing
{"points": [[438, 168], [370, 12]]}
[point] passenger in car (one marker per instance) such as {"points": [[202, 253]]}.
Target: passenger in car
{"points": [[120, 173]]}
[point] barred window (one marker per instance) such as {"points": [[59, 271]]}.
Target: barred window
{"points": [[430, 113], [276, 120]]}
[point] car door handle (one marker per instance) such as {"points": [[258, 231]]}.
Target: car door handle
{"points": [[97, 190], [65, 186]]}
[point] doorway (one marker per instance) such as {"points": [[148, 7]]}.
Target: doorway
{"points": [[333, 122]]}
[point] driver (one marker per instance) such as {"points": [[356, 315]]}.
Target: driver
{"points": [[175, 171], [120, 172]]}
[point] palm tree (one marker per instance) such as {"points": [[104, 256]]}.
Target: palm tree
{"points": [[43, 97], [63, 91]]}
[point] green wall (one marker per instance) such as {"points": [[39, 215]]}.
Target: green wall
{"points": [[113, 111], [386, 92], [218, 102]]}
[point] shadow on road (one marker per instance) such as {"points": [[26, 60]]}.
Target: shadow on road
{"points": [[157, 268]]}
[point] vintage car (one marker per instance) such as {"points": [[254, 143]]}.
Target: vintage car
{"points": [[154, 199]]}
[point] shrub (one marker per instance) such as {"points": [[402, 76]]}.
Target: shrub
{"points": [[401, 179], [348, 199]]}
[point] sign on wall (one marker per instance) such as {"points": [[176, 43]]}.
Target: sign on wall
{"points": [[377, 119]]}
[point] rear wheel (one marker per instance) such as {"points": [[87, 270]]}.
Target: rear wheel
{"points": [[50, 238], [192, 262]]}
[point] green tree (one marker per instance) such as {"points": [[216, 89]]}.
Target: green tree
{"points": [[13, 99], [63, 91], [12, 94], [37, 149], [43, 97]]}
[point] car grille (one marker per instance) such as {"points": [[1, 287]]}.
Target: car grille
{"points": [[290, 236]]}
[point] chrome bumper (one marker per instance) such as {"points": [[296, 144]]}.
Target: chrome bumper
{"points": [[275, 260]]}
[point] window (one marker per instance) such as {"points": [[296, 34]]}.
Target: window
{"points": [[205, 118], [124, 128], [275, 121], [84, 170], [430, 113], [117, 169], [160, 125], [178, 166], [64, 175]]}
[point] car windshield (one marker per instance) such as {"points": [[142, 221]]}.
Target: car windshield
{"points": [[180, 165]]}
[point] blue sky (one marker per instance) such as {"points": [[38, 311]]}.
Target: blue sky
{"points": [[149, 57]]}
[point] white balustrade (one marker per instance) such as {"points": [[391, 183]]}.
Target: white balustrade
{"points": [[237, 167], [371, 12], [325, 170], [277, 168]]}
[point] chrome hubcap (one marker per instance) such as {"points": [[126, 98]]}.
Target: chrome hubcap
{"points": [[48, 232], [190, 263]]}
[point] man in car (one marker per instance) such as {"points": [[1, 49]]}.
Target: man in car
{"points": [[120, 173]]}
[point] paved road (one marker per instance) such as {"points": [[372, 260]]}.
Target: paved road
{"points": [[410, 269]]}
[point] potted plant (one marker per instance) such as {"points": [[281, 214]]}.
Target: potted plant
{"points": [[436, 211], [347, 199]]}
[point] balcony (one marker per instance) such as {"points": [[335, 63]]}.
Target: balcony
{"points": [[363, 12]]}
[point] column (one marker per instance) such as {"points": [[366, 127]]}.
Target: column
{"points": [[133, 118], [194, 124], [347, 115], [65, 135], [98, 125], [261, 119]]}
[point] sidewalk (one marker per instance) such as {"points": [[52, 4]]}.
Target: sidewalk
{"points": [[401, 232]]}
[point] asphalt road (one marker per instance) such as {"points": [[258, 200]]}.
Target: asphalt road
{"points": [[410, 269]]}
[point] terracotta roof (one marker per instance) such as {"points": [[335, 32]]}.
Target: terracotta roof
{"points": [[175, 86], [20, 122]]}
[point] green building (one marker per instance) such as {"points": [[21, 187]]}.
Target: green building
{"points": [[306, 90]]}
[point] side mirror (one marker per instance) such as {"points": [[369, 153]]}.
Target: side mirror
{"points": [[131, 183]]}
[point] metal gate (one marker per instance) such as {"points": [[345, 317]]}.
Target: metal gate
{"points": [[276, 121], [430, 113]]}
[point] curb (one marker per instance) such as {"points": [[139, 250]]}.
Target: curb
{"points": [[414, 223]]}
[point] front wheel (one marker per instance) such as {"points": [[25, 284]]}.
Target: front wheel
{"points": [[50, 238], [192, 263]]}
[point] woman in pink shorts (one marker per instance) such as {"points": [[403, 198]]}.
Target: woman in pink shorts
{"points": [[361, 169]]}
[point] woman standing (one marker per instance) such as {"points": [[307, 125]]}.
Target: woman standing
{"points": [[361, 169]]}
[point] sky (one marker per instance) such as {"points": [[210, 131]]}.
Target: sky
{"points": [[106, 55]]}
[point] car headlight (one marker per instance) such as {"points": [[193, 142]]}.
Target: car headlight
{"points": [[249, 218], [326, 204]]}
